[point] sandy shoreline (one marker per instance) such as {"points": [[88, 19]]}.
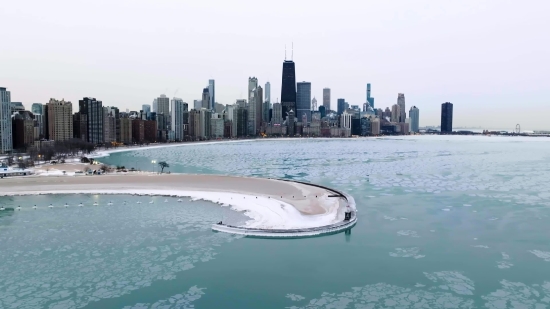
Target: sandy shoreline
{"points": [[270, 203]]}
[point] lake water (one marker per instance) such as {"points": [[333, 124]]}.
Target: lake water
{"points": [[444, 222]]}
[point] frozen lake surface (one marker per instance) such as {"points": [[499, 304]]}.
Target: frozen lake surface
{"points": [[444, 222]]}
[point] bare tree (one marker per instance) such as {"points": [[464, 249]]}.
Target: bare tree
{"points": [[162, 165]]}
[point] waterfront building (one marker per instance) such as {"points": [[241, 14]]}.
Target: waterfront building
{"points": [[314, 104], [404, 128], [60, 120], [303, 101], [150, 131], [125, 125], [375, 126], [402, 110], [179, 112], [447, 117], [240, 121], [341, 107], [138, 131], [80, 126], [109, 126], [326, 99], [23, 130], [205, 98], [212, 93], [92, 110], [288, 88], [203, 123], [217, 126], [414, 114], [6, 140]]}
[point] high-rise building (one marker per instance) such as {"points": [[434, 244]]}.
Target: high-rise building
{"points": [[277, 117], [212, 92], [92, 109], [6, 140], [402, 110], [414, 115], [37, 108], [323, 111], [326, 99], [60, 120], [239, 122], [255, 110], [163, 106], [314, 104], [341, 106], [23, 130], [179, 109], [370, 99], [109, 126], [146, 108], [288, 87], [125, 125], [447, 117], [197, 104], [303, 100], [268, 93], [395, 113], [205, 98]]}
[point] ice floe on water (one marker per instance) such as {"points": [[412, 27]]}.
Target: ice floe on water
{"points": [[541, 254], [452, 280], [178, 301], [90, 254], [295, 297], [481, 246], [408, 233], [518, 295], [389, 218], [413, 252]]}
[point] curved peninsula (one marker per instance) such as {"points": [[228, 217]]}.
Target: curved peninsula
{"points": [[276, 208]]}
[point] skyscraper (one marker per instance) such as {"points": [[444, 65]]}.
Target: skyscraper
{"points": [[60, 120], [370, 99], [395, 113], [341, 107], [255, 106], [146, 108], [212, 92], [303, 101], [6, 140], [37, 108], [314, 104], [414, 114], [326, 99], [268, 93], [447, 117], [92, 110], [288, 87], [402, 110], [206, 98], [163, 106], [179, 108]]}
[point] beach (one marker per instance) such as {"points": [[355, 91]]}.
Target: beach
{"points": [[269, 203]]}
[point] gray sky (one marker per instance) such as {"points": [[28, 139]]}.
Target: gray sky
{"points": [[489, 58]]}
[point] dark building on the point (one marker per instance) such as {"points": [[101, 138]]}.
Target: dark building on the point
{"points": [[22, 130], [288, 88], [323, 111], [447, 117], [92, 110]]}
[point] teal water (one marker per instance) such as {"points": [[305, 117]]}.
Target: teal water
{"points": [[444, 222]]}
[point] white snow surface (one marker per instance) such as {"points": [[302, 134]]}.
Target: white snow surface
{"points": [[265, 212]]}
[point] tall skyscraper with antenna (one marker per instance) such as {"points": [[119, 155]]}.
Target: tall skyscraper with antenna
{"points": [[288, 86]]}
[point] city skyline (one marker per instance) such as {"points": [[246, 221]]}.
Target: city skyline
{"points": [[475, 65]]}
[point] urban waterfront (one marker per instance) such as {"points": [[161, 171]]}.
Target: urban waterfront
{"points": [[443, 221]]}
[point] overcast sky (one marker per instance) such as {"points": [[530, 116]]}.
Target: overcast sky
{"points": [[491, 59]]}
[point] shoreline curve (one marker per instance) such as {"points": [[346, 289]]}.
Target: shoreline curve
{"points": [[275, 205]]}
